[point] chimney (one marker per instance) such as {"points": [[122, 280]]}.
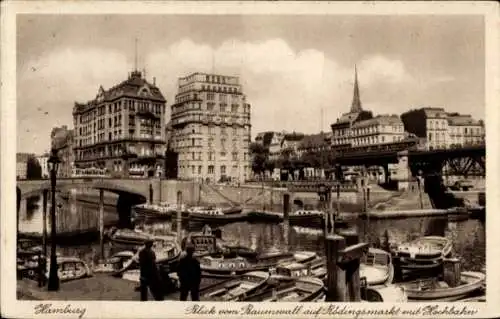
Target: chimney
{"points": [[154, 80]]}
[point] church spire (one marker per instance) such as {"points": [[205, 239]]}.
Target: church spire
{"points": [[356, 102]]}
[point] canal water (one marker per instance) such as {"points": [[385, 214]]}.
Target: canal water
{"points": [[468, 236]]}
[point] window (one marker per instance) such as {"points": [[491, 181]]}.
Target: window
{"points": [[210, 169], [210, 106], [235, 156], [223, 107], [223, 170], [234, 108]]}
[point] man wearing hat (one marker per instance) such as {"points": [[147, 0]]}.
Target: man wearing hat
{"points": [[149, 272], [189, 273]]}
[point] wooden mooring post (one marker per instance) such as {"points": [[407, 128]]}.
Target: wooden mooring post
{"points": [[343, 254], [286, 219]]}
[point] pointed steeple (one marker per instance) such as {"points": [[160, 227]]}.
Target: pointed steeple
{"points": [[356, 102]]}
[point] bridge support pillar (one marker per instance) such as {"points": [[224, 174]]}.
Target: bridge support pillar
{"points": [[386, 173], [403, 173]]}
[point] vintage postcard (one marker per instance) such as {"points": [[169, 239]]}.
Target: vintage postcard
{"points": [[249, 159]]}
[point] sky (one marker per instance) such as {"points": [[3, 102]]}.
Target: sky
{"points": [[296, 70]]}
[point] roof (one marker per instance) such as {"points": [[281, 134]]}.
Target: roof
{"points": [[434, 112], [135, 86], [347, 118], [381, 120], [459, 120], [293, 136], [314, 140]]}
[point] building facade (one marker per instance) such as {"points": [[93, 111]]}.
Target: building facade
{"points": [[43, 161], [443, 130], [22, 165], [211, 128], [122, 131], [63, 141], [378, 130], [463, 130]]}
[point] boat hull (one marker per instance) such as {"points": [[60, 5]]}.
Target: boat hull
{"points": [[262, 216], [471, 281], [221, 288]]}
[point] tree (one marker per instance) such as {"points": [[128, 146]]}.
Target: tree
{"points": [[260, 156], [33, 168]]}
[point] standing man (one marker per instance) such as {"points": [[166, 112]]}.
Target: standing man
{"points": [[189, 273], [149, 273]]}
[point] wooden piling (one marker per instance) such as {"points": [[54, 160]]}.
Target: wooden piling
{"points": [[398, 272], [335, 278], [101, 221], [286, 219], [179, 217], [352, 269], [451, 271]]}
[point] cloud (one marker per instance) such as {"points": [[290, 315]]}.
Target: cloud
{"points": [[288, 89]]}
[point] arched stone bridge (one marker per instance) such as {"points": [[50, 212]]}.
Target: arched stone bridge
{"points": [[151, 189]]}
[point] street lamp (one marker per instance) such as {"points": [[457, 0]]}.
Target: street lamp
{"points": [[53, 284]]}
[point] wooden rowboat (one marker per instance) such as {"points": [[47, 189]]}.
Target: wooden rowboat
{"points": [[70, 268], [115, 263], [376, 266], [235, 289], [299, 290], [424, 253], [432, 289]]}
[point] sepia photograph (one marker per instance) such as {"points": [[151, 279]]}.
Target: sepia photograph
{"points": [[249, 157]]}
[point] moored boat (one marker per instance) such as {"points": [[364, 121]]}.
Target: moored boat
{"points": [[156, 211], [214, 215], [423, 253], [298, 290], [307, 218], [128, 237], [437, 290], [221, 266], [255, 216], [235, 289], [70, 268], [376, 266], [115, 263]]}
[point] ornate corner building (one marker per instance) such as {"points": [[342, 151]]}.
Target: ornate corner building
{"points": [[122, 130]]}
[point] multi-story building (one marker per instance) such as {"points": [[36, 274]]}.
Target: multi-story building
{"points": [[211, 128], [443, 130], [122, 130], [22, 165], [464, 130], [378, 130], [63, 142], [275, 145], [430, 123], [43, 161]]}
